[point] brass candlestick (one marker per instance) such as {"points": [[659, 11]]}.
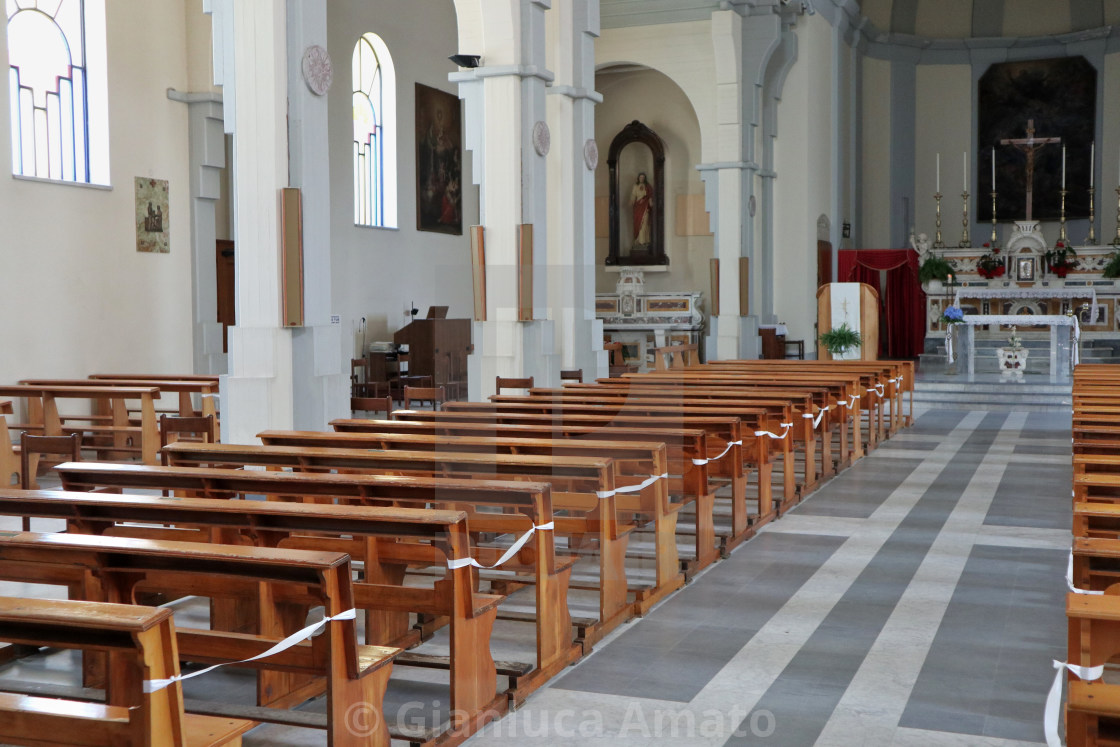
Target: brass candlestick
{"points": [[965, 240], [1116, 241], [994, 240], [1091, 239], [939, 244], [1062, 237]]}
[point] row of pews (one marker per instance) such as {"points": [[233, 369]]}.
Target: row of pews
{"points": [[559, 514], [1092, 605]]}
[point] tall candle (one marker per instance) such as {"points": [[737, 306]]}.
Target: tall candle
{"points": [[938, 172], [965, 172], [1092, 162], [1063, 167], [993, 169]]}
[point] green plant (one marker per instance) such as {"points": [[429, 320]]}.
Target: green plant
{"points": [[1111, 268], [934, 268], [839, 339], [1061, 259]]}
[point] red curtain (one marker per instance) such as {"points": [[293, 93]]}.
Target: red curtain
{"points": [[902, 303]]}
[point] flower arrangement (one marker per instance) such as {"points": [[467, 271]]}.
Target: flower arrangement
{"points": [[1060, 259], [839, 339], [990, 266], [1014, 341], [952, 315], [934, 268]]}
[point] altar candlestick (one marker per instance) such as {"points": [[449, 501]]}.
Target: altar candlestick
{"points": [[993, 169], [938, 172], [965, 172], [1063, 167], [1092, 162]]}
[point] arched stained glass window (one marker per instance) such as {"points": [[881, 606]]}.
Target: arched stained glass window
{"points": [[56, 58], [375, 134]]}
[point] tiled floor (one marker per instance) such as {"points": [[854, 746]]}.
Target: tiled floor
{"points": [[916, 600]]}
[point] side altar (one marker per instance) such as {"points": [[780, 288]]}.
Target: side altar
{"points": [[643, 321], [1020, 281]]}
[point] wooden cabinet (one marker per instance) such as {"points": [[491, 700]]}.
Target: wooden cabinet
{"points": [[437, 348]]}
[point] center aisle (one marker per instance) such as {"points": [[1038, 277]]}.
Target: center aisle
{"points": [[916, 599]]}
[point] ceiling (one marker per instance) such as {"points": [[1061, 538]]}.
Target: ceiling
{"points": [[959, 19]]}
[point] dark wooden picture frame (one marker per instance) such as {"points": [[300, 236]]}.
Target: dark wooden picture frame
{"points": [[636, 132], [439, 161]]}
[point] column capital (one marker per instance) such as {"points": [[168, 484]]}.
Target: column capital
{"points": [[502, 71], [573, 92]]}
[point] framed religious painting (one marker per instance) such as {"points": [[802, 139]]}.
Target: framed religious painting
{"points": [[153, 216], [1024, 267], [439, 161]]}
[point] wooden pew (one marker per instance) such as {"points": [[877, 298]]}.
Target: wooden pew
{"points": [[207, 389], [1092, 708], [9, 456], [115, 568], [635, 460], [530, 502], [386, 538], [726, 441], [140, 644], [688, 455], [583, 487], [754, 421], [120, 429]]}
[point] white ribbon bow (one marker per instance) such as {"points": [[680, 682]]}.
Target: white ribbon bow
{"points": [[513, 549], [151, 686], [850, 403], [1054, 697], [631, 488], [1069, 579], [818, 418], [786, 426], [878, 389], [722, 454]]}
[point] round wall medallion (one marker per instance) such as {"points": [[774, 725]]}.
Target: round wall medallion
{"points": [[317, 69], [591, 154], [542, 138], [751, 205]]}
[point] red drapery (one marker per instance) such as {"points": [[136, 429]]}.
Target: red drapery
{"points": [[902, 303]]}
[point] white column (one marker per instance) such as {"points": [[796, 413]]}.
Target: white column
{"points": [[505, 98], [320, 364], [257, 392], [572, 28]]}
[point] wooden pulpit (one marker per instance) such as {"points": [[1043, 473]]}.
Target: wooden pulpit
{"points": [[856, 304]]}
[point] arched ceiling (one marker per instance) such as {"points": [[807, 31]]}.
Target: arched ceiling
{"points": [[960, 19]]}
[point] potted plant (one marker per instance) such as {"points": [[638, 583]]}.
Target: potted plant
{"points": [[1111, 268], [840, 339], [934, 268], [990, 266], [1061, 259]]}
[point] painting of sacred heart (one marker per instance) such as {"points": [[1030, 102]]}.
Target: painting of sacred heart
{"points": [[439, 162], [1028, 111], [153, 220]]}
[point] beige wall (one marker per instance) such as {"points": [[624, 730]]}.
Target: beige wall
{"points": [[77, 298], [944, 126], [656, 101], [875, 225], [376, 272]]}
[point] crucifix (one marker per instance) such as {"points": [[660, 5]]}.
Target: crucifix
{"points": [[1030, 145]]}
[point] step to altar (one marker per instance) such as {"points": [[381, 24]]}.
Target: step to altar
{"points": [[1035, 394]]}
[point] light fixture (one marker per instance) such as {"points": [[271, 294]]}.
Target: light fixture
{"points": [[466, 60]]}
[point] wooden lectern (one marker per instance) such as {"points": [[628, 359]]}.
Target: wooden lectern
{"points": [[437, 348], [867, 315]]}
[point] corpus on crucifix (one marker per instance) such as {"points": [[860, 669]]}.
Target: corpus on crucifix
{"points": [[1030, 145]]}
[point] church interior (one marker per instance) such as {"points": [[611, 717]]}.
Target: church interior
{"points": [[560, 372]]}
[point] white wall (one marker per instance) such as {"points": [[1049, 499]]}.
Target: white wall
{"points": [[377, 272], [77, 298], [656, 101], [942, 89], [874, 227], [803, 158]]}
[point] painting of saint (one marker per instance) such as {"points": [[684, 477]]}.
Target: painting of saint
{"points": [[439, 197]]}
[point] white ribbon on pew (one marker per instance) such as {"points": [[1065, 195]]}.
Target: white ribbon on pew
{"points": [[785, 432], [513, 549], [1069, 579], [852, 403], [632, 488], [722, 454], [818, 418], [1054, 697], [878, 389], [151, 686]]}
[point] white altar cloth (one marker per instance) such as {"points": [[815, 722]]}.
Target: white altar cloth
{"points": [[1023, 293]]}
